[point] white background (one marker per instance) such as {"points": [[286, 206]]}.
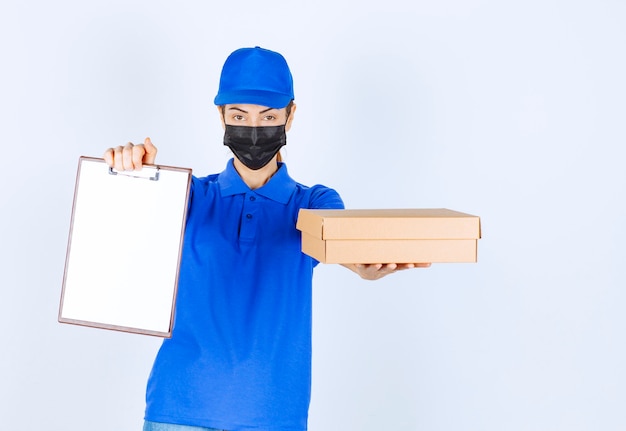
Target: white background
{"points": [[511, 110]]}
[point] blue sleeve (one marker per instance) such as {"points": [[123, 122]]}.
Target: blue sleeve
{"points": [[325, 198], [199, 187]]}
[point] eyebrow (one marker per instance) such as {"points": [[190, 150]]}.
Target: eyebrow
{"points": [[234, 108]]}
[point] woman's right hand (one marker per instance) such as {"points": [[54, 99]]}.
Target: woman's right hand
{"points": [[131, 157]]}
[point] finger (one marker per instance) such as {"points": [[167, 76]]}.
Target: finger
{"points": [[108, 157], [137, 154], [151, 151], [403, 266], [380, 270], [368, 267], [118, 162], [127, 157]]}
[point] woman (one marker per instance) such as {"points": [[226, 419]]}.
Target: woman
{"points": [[240, 354]]}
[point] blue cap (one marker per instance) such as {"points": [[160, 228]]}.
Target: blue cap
{"points": [[255, 76]]}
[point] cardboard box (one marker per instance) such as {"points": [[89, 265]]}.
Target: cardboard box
{"points": [[389, 235]]}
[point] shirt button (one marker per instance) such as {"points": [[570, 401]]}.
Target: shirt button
{"points": [[248, 216], [252, 198]]}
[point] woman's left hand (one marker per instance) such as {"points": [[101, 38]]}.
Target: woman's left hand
{"points": [[379, 270]]}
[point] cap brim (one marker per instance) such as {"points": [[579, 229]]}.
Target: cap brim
{"points": [[253, 97]]}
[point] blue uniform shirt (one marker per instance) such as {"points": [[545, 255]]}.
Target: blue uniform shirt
{"points": [[240, 354]]}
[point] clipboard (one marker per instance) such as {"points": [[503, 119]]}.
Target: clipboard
{"points": [[124, 247]]}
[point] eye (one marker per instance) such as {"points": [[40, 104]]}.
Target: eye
{"points": [[238, 117], [269, 117]]}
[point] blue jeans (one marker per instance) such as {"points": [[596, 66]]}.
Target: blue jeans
{"points": [[157, 426]]}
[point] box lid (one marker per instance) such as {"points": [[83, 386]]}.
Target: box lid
{"points": [[423, 223]]}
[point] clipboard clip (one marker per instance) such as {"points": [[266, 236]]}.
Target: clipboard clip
{"points": [[138, 174]]}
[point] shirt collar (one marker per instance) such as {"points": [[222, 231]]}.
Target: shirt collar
{"points": [[279, 188]]}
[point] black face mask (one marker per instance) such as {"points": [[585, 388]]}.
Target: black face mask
{"points": [[255, 146]]}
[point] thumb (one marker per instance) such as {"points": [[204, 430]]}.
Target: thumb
{"points": [[151, 151]]}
